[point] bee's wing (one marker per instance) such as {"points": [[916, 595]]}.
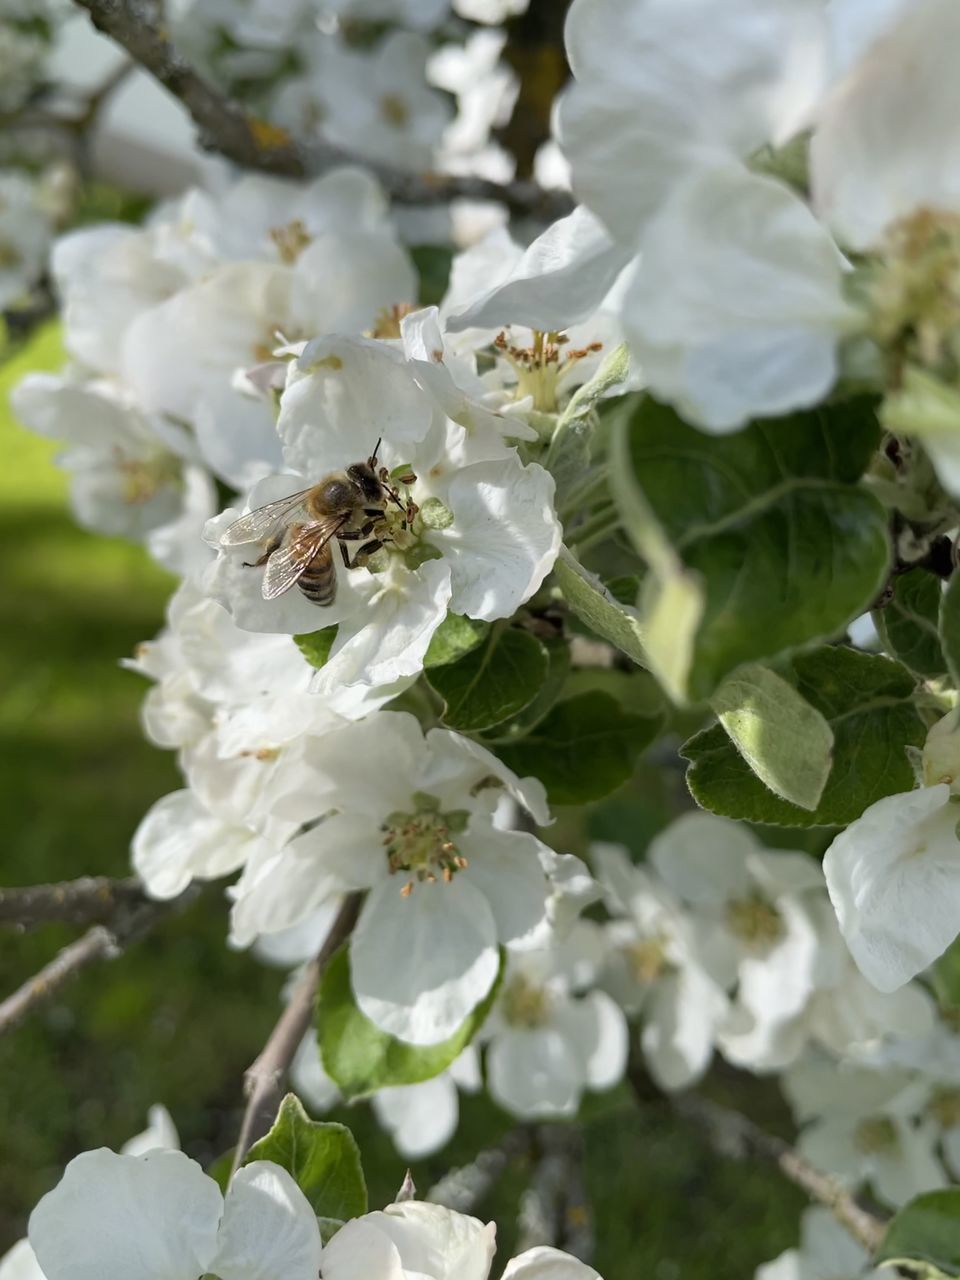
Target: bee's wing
{"points": [[299, 549], [257, 525]]}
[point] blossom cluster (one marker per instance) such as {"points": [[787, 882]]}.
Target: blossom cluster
{"points": [[430, 553]]}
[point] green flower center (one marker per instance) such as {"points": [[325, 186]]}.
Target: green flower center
{"points": [[421, 843], [524, 1003], [541, 366], [945, 1108], [394, 110], [647, 959], [755, 921], [913, 292], [142, 478], [290, 240], [875, 1134]]}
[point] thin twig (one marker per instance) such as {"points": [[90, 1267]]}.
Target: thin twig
{"points": [[554, 1209], [102, 942], [223, 125], [88, 900], [263, 1080], [733, 1134]]}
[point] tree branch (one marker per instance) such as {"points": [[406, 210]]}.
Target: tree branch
{"points": [[554, 1209], [462, 1189], [89, 900], [223, 125], [734, 1135], [129, 923], [264, 1078]]}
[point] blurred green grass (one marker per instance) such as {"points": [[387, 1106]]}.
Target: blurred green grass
{"points": [[179, 1016]]}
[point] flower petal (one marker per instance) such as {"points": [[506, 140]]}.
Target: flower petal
{"points": [[886, 142], [360, 1251], [268, 1228], [505, 868], [504, 538], [342, 395], [421, 964], [596, 1030], [561, 279], [535, 1072], [151, 1217], [894, 881], [421, 1118], [545, 1263], [736, 308], [178, 840], [438, 1242]]}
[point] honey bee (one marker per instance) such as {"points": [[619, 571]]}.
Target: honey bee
{"points": [[298, 531]]}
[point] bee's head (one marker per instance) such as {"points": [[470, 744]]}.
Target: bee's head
{"points": [[365, 477]]}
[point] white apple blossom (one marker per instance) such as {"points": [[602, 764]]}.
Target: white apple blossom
{"points": [[134, 474], [484, 540], [550, 311], [409, 817], [158, 1216], [549, 1037], [237, 706], [754, 907], [400, 124], [427, 1241], [486, 91], [657, 966], [860, 1126]]}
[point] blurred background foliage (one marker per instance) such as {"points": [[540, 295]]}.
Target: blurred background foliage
{"points": [[179, 1017]]}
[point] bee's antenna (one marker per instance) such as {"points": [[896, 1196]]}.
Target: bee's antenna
{"points": [[376, 449]]}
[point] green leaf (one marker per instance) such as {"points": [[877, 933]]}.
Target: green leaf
{"points": [[759, 542], [950, 627], [583, 749], [455, 636], [866, 699], [558, 668], [926, 1230], [432, 262], [598, 608], [785, 741], [316, 645], [493, 682], [360, 1057], [909, 624], [322, 1158], [634, 691]]}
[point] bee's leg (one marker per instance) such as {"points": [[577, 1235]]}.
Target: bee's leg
{"points": [[368, 549], [354, 535], [271, 548], [374, 512]]}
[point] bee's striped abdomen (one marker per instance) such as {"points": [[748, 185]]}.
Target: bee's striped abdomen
{"points": [[318, 582]]}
